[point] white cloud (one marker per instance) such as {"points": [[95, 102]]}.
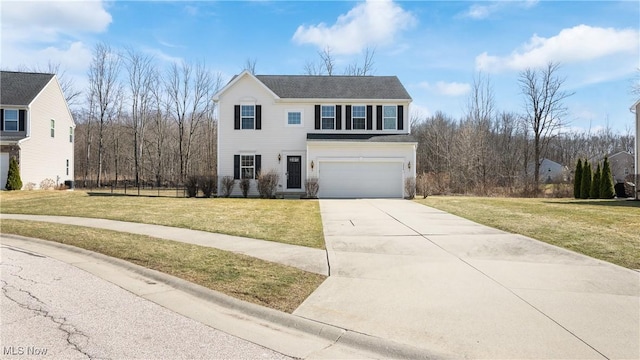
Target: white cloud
{"points": [[372, 23], [447, 88], [479, 12], [576, 44]]}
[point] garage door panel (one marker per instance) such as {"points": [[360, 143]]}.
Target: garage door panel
{"points": [[360, 179]]}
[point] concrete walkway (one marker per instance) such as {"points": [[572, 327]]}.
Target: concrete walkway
{"points": [[302, 257], [422, 277]]}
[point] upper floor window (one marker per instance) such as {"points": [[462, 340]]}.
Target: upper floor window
{"points": [[390, 117], [328, 117], [294, 118], [10, 120], [248, 116], [358, 117], [70, 134], [53, 128]]}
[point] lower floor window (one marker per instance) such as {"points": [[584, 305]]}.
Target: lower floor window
{"points": [[247, 166]]}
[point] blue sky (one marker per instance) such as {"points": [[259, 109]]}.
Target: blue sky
{"points": [[435, 48]]}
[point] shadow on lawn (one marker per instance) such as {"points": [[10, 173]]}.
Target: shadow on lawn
{"points": [[610, 203]]}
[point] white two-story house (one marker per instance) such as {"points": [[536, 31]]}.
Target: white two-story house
{"points": [[351, 133], [36, 128]]}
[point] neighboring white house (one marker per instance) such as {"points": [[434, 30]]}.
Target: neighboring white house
{"points": [[551, 171], [36, 127], [622, 165], [349, 132]]}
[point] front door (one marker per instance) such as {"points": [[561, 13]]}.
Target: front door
{"points": [[294, 172]]}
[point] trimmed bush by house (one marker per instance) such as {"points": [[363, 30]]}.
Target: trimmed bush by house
{"points": [[208, 184], [191, 184], [226, 185], [312, 187], [47, 184], [410, 187], [13, 176], [268, 183], [245, 184]]}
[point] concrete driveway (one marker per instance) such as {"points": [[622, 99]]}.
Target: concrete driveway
{"points": [[425, 278]]}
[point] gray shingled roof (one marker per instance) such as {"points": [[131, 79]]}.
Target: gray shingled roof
{"points": [[361, 137], [335, 87], [20, 88]]}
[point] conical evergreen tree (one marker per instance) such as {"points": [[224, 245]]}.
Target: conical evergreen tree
{"points": [[577, 180], [585, 187], [595, 184], [13, 176], [606, 181]]}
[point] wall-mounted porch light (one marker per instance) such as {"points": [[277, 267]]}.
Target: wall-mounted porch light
{"points": [[279, 158], [409, 165], [312, 164]]}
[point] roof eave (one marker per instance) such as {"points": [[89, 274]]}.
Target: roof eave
{"points": [[342, 100], [216, 96]]}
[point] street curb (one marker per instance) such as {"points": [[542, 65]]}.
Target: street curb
{"points": [[384, 348]]}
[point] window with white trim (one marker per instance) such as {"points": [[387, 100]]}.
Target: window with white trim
{"points": [[10, 120], [358, 117], [53, 128], [247, 116], [247, 166], [390, 117], [70, 134], [328, 117], [294, 118]]}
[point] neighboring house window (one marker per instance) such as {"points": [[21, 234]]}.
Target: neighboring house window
{"points": [[247, 116], [53, 128], [626, 171], [10, 120], [328, 117], [358, 117], [67, 167], [294, 118], [70, 135], [390, 118], [247, 166]]}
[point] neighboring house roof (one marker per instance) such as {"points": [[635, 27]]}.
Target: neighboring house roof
{"points": [[621, 153], [362, 137], [21, 88], [335, 87]]}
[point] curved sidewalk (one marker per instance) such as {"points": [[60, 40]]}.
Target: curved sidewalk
{"points": [[301, 257]]}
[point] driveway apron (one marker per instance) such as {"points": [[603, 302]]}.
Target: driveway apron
{"points": [[422, 277]]}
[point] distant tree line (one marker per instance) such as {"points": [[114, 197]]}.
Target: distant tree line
{"points": [[144, 123]]}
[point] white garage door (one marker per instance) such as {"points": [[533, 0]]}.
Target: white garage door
{"points": [[360, 179], [4, 169]]}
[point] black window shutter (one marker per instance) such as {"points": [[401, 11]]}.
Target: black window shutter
{"points": [[400, 117], [21, 120], [236, 167], [347, 123], [236, 117], [258, 117], [369, 117], [338, 117], [1, 119], [258, 165], [317, 117], [379, 117]]}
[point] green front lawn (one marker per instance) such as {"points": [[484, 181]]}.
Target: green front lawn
{"points": [[295, 222]]}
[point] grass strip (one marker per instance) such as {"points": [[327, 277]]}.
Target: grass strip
{"points": [[296, 222], [608, 230], [243, 277]]}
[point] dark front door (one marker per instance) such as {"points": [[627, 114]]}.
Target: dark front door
{"points": [[294, 172]]}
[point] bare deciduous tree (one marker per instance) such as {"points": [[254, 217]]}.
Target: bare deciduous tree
{"points": [[104, 91], [544, 108], [366, 68], [142, 77], [250, 65]]}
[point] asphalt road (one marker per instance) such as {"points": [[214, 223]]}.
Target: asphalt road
{"points": [[53, 310]]}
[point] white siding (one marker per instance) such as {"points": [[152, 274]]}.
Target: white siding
{"points": [[41, 156], [4, 169]]}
